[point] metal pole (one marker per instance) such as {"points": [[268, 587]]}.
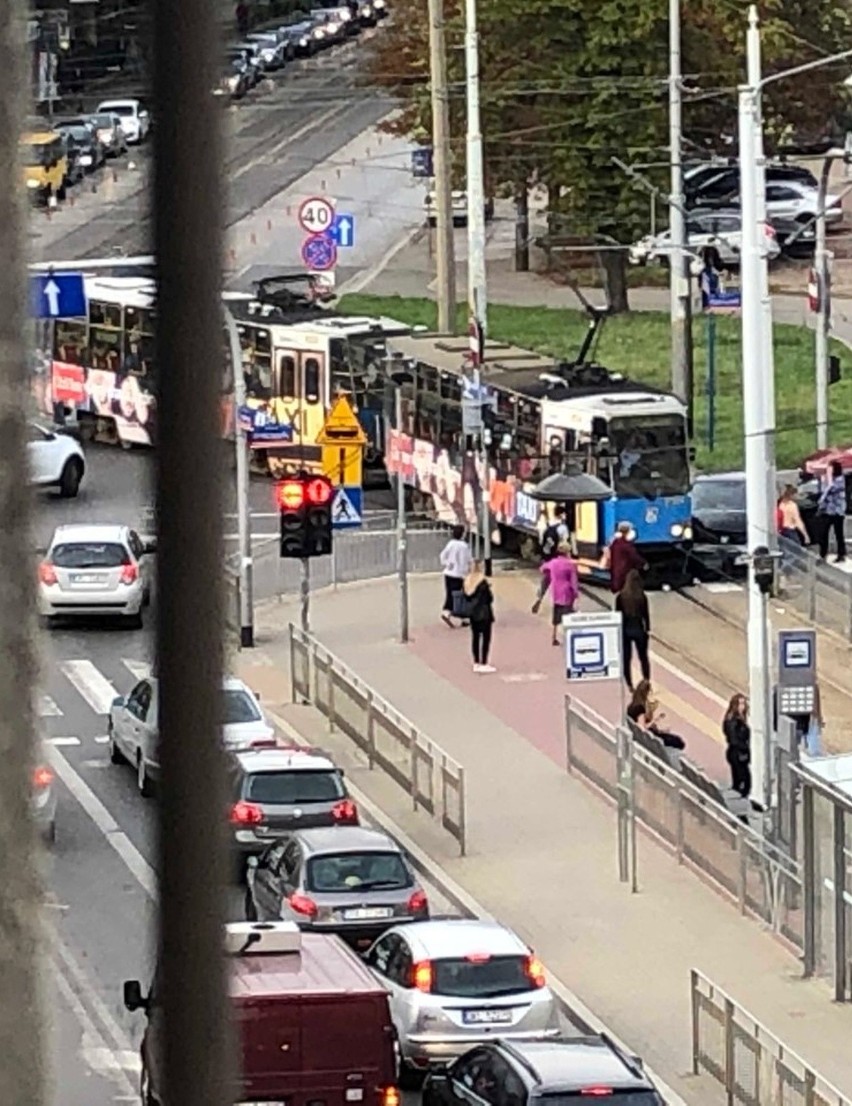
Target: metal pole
{"points": [[194, 862], [401, 534], [305, 595], [823, 319], [243, 479], [445, 245], [476, 275], [678, 270], [711, 381], [755, 457], [22, 951]]}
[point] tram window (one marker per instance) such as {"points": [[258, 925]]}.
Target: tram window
{"points": [[105, 314], [106, 351], [257, 361], [427, 417], [429, 380], [311, 374], [338, 360], [70, 341], [287, 376]]}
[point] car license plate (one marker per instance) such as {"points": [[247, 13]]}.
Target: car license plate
{"points": [[85, 578], [367, 913], [487, 1017]]}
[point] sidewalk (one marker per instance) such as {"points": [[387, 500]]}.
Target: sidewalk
{"points": [[542, 846]]}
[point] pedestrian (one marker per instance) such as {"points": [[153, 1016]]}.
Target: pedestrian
{"points": [[555, 533], [455, 562], [620, 556], [632, 602], [644, 712], [560, 576], [789, 518], [832, 513], [738, 739], [480, 612]]}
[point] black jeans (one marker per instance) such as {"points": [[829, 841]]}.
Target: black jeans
{"points": [[740, 771], [480, 636], [452, 584], [837, 524], [641, 644]]}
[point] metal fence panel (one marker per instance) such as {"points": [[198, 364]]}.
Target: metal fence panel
{"points": [[590, 747], [820, 592]]}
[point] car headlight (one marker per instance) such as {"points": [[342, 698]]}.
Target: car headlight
{"points": [[319, 32], [32, 183], [303, 41], [687, 533], [85, 159], [378, 4], [233, 83], [366, 10], [346, 16]]}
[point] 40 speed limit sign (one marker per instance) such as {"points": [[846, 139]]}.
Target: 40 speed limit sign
{"points": [[316, 215]]}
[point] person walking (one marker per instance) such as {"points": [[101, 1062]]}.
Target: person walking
{"points": [[480, 610], [620, 557], [789, 518], [832, 513], [738, 740], [559, 575], [644, 711], [555, 533], [632, 602], [455, 562]]}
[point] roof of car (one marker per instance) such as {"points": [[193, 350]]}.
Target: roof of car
{"points": [[575, 1062], [264, 759], [129, 102], [458, 937], [345, 839], [97, 531]]}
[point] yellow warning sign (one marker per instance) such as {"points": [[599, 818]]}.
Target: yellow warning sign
{"points": [[341, 426], [342, 464]]}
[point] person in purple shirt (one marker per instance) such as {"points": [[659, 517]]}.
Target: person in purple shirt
{"points": [[560, 577]]}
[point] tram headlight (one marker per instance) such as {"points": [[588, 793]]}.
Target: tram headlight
{"points": [[678, 530]]}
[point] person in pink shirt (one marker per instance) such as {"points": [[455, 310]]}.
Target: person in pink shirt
{"points": [[560, 577]]}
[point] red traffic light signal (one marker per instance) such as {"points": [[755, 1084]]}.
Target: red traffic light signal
{"points": [[319, 491], [290, 494]]}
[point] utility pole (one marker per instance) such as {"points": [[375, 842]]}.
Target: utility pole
{"points": [[243, 479], [401, 530], [679, 280], [476, 276], [822, 332], [23, 954], [305, 595], [445, 248]]}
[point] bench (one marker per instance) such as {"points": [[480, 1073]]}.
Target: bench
{"points": [[726, 797], [654, 745]]}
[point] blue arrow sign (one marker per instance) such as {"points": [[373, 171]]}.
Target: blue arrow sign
{"points": [[421, 162], [319, 252], [58, 295], [342, 231]]}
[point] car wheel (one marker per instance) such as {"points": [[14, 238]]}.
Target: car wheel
{"points": [[69, 482], [50, 834], [143, 780], [250, 908], [115, 754], [136, 621]]}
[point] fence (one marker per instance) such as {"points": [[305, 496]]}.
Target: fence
{"points": [[762, 879], [820, 592], [751, 1064], [435, 781]]}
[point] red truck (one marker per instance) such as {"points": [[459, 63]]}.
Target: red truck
{"points": [[313, 1024]]}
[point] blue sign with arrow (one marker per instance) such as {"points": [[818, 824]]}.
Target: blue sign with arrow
{"points": [[58, 295], [342, 231]]}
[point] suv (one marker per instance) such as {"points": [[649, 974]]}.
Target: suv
{"points": [[276, 789], [582, 1070]]}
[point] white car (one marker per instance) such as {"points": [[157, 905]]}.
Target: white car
{"points": [[459, 208], [796, 201], [101, 569], [133, 726], [724, 233], [135, 120], [55, 460]]}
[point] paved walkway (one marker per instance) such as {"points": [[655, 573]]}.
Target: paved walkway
{"points": [[542, 846]]}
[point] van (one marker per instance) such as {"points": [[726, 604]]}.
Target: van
{"points": [[312, 1022], [45, 164]]}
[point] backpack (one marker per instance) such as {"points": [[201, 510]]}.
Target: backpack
{"points": [[550, 542]]}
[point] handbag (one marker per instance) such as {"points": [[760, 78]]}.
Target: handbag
{"points": [[462, 605]]}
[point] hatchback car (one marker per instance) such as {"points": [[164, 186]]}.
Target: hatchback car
{"points": [[110, 133], [135, 119], [95, 570], [55, 460], [458, 981], [720, 229], [347, 880], [581, 1071]]}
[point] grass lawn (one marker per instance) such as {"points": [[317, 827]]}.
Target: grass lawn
{"points": [[638, 345]]}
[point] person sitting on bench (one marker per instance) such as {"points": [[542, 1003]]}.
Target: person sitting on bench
{"points": [[644, 711]]}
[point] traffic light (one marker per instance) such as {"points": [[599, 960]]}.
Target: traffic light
{"points": [[304, 506]]}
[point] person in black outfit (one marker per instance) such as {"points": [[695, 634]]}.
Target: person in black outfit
{"points": [[738, 738], [644, 711], [480, 612], [632, 602]]}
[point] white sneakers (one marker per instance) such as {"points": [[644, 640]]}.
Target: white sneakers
{"points": [[482, 668]]}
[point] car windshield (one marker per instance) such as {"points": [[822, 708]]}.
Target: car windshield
{"points": [[89, 554], [651, 458], [357, 872], [81, 134], [295, 787], [102, 120], [593, 1095], [719, 495], [122, 109], [240, 706], [480, 976]]}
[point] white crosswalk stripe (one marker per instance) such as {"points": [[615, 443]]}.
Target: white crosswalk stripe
{"points": [[91, 683], [47, 708], [63, 741], [139, 670]]}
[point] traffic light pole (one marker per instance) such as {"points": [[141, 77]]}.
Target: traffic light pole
{"points": [[243, 481], [305, 595]]}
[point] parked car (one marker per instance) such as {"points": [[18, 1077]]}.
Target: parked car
{"points": [[459, 206], [333, 27], [719, 229], [241, 57], [273, 48], [347, 880], [135, 120], [110, 133], [458, 981], [799, 202], [55, 460], [76, 170], [90, 154], [254, 57], [234, 81]]}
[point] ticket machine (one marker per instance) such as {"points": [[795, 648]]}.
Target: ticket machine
{"points": [[796, 690]]}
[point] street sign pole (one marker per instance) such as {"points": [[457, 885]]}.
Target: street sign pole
{"points": [[305, 595]]}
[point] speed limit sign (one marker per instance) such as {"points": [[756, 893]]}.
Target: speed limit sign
{"points": [[316, 215]]}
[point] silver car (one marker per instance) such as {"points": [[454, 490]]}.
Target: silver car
{"points": [[456, 982], [110, 133], [95, 570]]}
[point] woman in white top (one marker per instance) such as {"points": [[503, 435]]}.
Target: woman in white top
{"points": [[455, 561]]}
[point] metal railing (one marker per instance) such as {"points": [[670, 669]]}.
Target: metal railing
{"points": [[760, 878], [748, 1061], [433, 779], [819, 591]]}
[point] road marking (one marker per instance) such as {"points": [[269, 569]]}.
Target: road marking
{"points": [[102, 739], [62, 741], [139, 670], [47, 708], [116, 838], [721, 587], [696, 685], [91, 683], [524, 677], [270, 154]]}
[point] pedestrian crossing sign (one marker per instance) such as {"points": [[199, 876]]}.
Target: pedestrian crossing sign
{"points": [[346, 509]]}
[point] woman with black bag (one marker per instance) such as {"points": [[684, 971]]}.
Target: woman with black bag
{"points": [[479, 609]]}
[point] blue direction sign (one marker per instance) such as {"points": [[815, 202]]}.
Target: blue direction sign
{"points": [[346, 510], [342, 231], [421, 162], [58, 295], [319, 252]]}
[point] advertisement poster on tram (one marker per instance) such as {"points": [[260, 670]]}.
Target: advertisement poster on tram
{"points": [[120, 398]]}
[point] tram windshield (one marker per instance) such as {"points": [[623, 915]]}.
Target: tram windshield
{"points": [[650, 458]]}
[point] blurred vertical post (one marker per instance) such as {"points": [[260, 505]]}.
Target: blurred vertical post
{"points": [[443, 170], [22, 956], [188, 209]]}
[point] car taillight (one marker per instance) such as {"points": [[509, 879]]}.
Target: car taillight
{"points": [[596, 1092], [345, 812], [47, 573], [303, 905], [418, 903], [535, 971], [129, 574], [389, 1096], [246, 814], [769, 230], [42, 777], [421, 976]]}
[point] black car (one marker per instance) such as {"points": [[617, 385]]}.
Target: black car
{"points": [[582, 1071], [90, 153], [243, 57], [76, 171], [234, 80]]}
